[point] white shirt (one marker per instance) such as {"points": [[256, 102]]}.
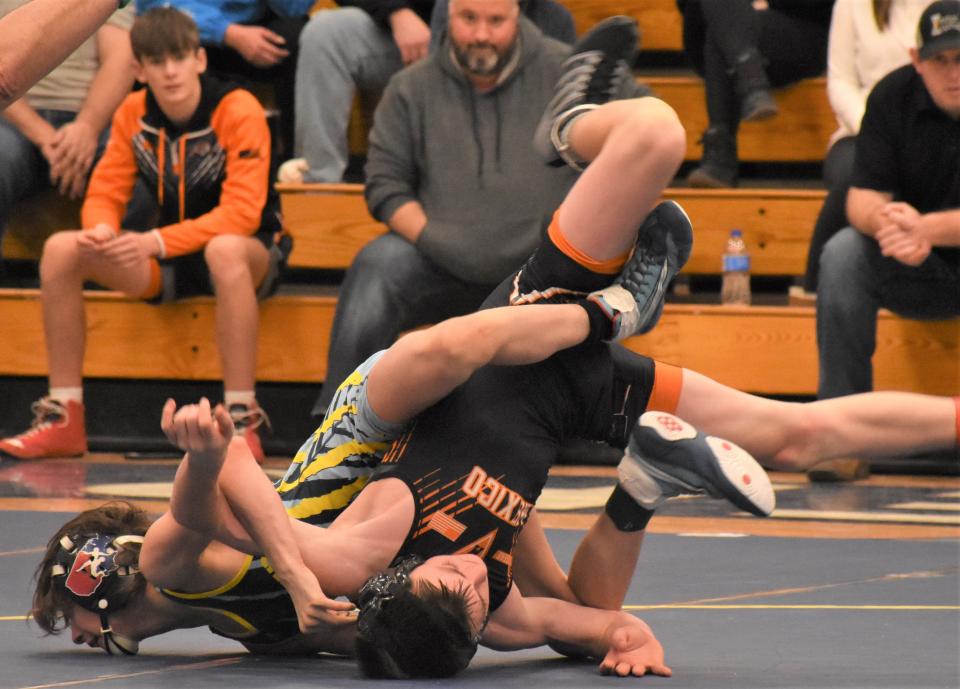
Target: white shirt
{"points": [[859, 55]]}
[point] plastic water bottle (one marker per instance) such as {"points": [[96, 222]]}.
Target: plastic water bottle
{"points": [[736, 271]]}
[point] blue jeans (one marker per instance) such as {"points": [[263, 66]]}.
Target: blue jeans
{"points": [[341, 51], [856, 281], [390, 288], [23, 169]]}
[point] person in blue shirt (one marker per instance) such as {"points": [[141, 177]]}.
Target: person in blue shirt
{"points": [[251, 41]]}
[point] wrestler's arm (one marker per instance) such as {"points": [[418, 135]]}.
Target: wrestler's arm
{"points": [[219, 493], [425, 366], [625, 643], [536, 571], [338, 640]]}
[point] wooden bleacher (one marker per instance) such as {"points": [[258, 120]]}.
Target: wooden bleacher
{"points": [[330, 223], [770, 350], [35, 219], [799, 134], [661, 26], [748, 346]]}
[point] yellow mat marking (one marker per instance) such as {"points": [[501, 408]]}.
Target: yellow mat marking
{"points": [[680, 606], [160, 489], [944, 506], [173, 668]]}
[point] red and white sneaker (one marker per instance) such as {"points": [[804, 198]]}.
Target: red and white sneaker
{"points": [[57, 430], [667, 453], [247, 420]]}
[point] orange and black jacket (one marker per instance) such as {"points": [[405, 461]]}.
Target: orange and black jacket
{"points": [[209, 177]]}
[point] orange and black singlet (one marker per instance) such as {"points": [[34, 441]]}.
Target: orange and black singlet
{"points": [[477, 461]]}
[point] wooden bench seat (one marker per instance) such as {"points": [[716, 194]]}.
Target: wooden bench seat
{"points": [[769, 350], [330, 223], [35, 219], [661, 26], [798, 134]]}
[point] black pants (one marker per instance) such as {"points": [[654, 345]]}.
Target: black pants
{"points": [[837, 171], [229, 64], [716, 33]]}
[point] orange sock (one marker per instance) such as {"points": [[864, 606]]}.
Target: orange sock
{"points": [[609, 267]]}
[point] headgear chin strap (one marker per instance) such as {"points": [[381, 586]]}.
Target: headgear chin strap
{"points": [[383, 587], [92, 580]]}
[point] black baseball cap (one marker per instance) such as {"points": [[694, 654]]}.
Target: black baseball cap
{"points": [[939, 28]]}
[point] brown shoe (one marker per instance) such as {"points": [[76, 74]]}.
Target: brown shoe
{"points": [[839, 470]]}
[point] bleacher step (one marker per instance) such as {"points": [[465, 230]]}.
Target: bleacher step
{"points": [[763, 349]]}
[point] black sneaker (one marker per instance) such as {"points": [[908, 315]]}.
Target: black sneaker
{"points": [[719, 166], [758, 105], [635, 301], [682, 461], [597, 71]]}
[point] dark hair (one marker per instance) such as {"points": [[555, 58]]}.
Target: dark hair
{"points": [[881, 13], [163, 31], [426, 633], [50, 601]]}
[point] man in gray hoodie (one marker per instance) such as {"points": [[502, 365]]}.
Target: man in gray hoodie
{"points": [[452, 171]]}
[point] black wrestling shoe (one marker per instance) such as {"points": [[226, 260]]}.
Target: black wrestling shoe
{"points": [[666, 457], [597, 71], [635, 301]]}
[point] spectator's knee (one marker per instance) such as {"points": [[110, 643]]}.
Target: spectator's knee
{"points": [[841, 255], [61, 243], [226, 257], [382, 257], [59, 251], [328, 28]]}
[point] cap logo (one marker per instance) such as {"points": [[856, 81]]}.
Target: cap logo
{"points": [[941, 23]]}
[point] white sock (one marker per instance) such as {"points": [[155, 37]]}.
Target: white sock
{"points": [[67, 394], [244, 397], [639, 484]]}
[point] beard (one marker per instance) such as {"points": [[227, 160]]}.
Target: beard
{"points": [[483, 59]]}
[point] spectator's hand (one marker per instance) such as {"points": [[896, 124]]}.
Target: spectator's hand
{"points": [[291, 172], [903, 244], [96, 236], [258, 45], [760, 5], [411, 34], [71, 155], [634, 650], [44, 140], [903, 214], [130, 248]]}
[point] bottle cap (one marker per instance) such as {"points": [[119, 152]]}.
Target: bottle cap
{"points": [[736, 232]]}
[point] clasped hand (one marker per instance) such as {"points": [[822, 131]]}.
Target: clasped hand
{"points": [[126, 249], [902, 235]]}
